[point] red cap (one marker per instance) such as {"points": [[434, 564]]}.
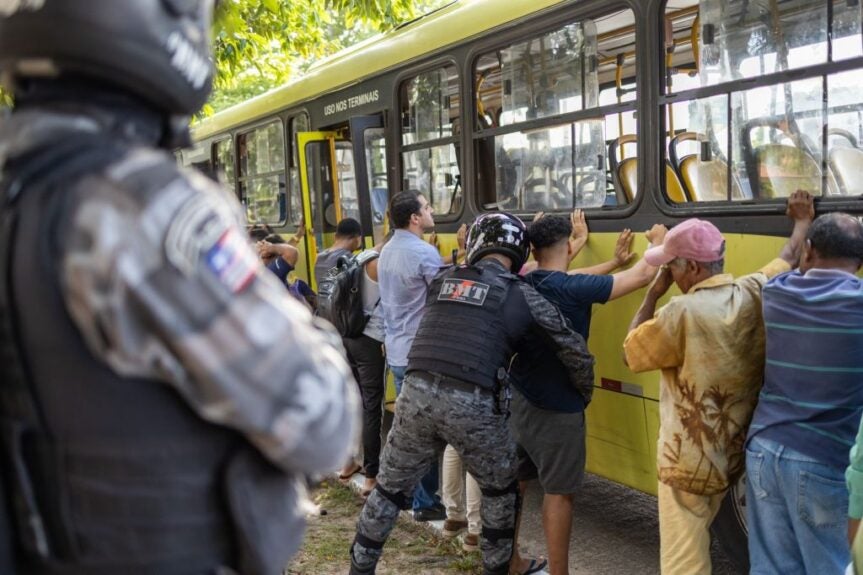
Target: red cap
{"points": [[692, 239]]}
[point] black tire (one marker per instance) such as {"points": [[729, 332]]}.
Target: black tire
{"points": [[729, 527]]}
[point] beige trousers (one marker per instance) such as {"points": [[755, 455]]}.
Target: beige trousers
{"points": [[684, 530], [460, 496]]}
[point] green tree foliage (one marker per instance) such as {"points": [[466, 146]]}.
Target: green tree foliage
{"points": [[260, 44]]}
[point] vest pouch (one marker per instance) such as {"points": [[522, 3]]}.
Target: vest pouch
{"points": [[256, 489]]}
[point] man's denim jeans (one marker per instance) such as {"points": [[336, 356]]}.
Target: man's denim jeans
{"points": [[425, 495], [796, 510]]}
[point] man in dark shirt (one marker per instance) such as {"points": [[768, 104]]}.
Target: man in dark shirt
{"points": [[349, 238], [547, 411]]}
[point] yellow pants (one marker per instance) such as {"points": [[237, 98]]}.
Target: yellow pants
{"points": [[684, 530]]}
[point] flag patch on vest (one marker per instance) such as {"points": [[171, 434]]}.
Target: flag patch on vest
{"points": [[463, 291], [232, 261]]}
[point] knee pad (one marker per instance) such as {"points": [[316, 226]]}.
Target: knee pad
{"points": [[493, 492], [400, 500]]}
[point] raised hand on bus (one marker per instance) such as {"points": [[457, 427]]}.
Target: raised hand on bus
{"points": [[461, 237], [623, 253], [801, 209], [579, 225], [656, 234]]}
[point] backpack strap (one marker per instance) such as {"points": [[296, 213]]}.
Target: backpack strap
{"points": [[37, 171]]}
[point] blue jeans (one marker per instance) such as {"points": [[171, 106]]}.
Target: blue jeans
{"points": [[796, 510], [425, 495]]}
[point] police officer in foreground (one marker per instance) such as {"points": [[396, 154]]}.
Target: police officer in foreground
{"points": [[455, 392], [162, 398]]}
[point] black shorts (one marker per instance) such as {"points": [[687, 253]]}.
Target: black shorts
{"points": [[551, 446]]}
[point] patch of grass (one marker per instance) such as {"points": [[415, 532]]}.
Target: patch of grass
{"points": [[412, 549]]}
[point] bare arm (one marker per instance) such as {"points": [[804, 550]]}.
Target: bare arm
{"points": [[801, 209], [299, 234], [287, 252], [658, 289]]}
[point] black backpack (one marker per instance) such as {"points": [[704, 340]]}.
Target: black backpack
{"points": [[340, 295]]}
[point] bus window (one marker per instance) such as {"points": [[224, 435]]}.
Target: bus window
{"points": [[347, 181], [223, 161], [262, 174], [376, 168], [786, 134], [527, 167], [297, 124], [430, 128]]}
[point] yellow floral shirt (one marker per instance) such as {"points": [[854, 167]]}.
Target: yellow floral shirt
{"points": [[709, 346]]}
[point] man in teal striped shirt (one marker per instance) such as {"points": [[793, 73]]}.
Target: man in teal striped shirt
{"points": [[809, 408]]}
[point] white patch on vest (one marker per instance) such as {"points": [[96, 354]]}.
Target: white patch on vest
{"points": [[463, 291], [195, 229], [186, 60], [9, 7]]}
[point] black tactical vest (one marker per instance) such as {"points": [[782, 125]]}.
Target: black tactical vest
{"points": [[462, 334], [123, 475]]}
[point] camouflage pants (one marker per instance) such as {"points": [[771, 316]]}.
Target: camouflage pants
{"points": [[429, 415]]}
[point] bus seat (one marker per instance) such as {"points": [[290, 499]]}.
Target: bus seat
{"points": [[627, 175], [707, 181], [846, 167], [673, 187], [782, 170], [625, 191]]}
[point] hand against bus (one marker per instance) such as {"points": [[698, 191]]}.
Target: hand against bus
{"points": [[579, 225], [461, 237], [433, 240], [300, 233], [537, 215], [656, 234], [623, 253], [801, 206]]}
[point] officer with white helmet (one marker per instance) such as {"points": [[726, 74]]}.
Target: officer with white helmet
{"points": [[162, 399]]}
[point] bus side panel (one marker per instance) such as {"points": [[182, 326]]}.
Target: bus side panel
{"points": [[617, 445]]}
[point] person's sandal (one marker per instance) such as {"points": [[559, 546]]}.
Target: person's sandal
{"points": [[470, 542], [535, 566], [354, 470]]}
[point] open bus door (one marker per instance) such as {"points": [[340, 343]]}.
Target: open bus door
{"points": [[341, 178], [321, 179]]}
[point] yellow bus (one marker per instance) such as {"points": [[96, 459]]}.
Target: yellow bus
{"points": [[636, 111]]}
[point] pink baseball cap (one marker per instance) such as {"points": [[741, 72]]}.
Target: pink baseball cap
{"points": [[692, 239]]}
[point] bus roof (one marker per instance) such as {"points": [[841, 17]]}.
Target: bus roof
{"points": [[449, 25]]}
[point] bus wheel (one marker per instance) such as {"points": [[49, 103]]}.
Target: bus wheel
{"points": [[729, 527]]}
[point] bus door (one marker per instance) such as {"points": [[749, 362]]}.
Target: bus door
{"points": [[328, 189], [370, 154], [340, 179]]}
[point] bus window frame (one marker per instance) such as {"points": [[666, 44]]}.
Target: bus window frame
{"points": [[288, 118], [406, 74], [541, 25], [248, 129], [749, 207], [229, 137]]}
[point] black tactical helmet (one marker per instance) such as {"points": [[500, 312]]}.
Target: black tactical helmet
{"points": [[498, 233], [156, 49]]}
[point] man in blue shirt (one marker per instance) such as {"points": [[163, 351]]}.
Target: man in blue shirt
{"points": [[406, 267], [547, 411], [809, 407]]}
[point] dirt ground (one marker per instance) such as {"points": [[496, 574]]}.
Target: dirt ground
{"points": [[411, 548]]}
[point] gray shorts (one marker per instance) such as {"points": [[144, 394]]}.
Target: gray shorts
{"points": [[551, 446]]}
